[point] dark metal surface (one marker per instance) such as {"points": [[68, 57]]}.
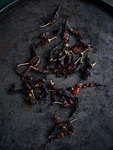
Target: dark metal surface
{"points": [[110, 2], [25, 127], [7, 4]]}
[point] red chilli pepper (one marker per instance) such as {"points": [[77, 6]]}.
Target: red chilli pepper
{"points": [[58, 121], [61, 134], [92, 84], [53, 19], [77, 89], [76, 49], [44, 42], [75, 32]]}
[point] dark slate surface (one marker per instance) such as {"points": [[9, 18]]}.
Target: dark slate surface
{"points": [[25, 127]]}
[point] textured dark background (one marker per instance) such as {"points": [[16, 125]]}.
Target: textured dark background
{"points": [[25, 127]]}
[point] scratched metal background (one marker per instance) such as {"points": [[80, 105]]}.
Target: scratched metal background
{"points": [[25, 127]]}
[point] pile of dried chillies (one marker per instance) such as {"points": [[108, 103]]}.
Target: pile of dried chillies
{"points": [[65, 61]]}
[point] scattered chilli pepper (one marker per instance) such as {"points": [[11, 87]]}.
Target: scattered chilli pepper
{"points": [[73, 65], [63, 71], [81, 53], [77, 89], [29, 94], [57, 120], [44, 42], [65, 57], [65, 60], [53, 19], [64, 104], [33, 62], [78, 47], [30, 98], [54, 53], [41, 70], [62, 60], [49, 34], [30, 84], [37, 64], [66, 93], [85, 70], [92, 84], [69, 68], [59, 135], [63, 133], [70, 103], [65, 127], [66, 66], [63, 123], [75, 32]]}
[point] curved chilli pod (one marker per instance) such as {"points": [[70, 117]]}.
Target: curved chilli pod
{"points": [[75, 32], [85, 70], [53, 19], [64, 127], [33, 62]]}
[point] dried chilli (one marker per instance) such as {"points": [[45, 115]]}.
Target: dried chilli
{"points": [[85, 70], [33, 62], [65, 61], [92, 84], [64, 128], [49, 34], [44, 42], [53, 19], [75, 32], [77, 89]]}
